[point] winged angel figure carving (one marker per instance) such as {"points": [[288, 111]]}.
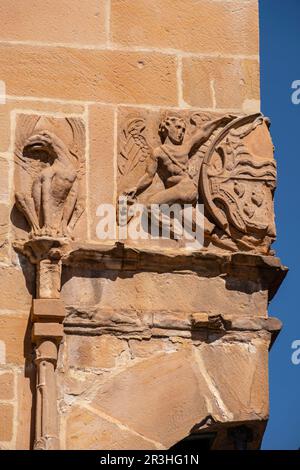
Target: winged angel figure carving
{"points": [[224, 162], [50, 158]]}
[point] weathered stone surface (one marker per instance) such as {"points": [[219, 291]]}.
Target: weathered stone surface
{"points": [[223, 379], [48, 279], [205, 26], [94, 352], [47, 330], [6, 422], [101, 169], [7, 119], [219, 75], [15, 337], [78, 74], [145, 388], [17, 288], [48, 309], [166, 292], [147, 348], [90, 430], [4, 176], [238, 372], [58, 21], [26, 403], [4, 229], [6, 385]]}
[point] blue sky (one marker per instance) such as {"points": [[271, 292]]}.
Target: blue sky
{"points": [[280, 66]]}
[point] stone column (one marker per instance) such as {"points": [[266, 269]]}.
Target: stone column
{"points": [[47, 315]]}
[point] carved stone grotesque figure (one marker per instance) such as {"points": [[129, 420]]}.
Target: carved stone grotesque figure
{"points": [[51, 202]]}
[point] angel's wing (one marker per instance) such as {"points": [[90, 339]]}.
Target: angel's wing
{"points": [[134, 148]]}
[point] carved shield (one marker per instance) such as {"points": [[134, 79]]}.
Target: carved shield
{"points": [[238, 176]]}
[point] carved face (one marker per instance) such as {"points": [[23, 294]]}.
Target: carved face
{"points": [[175, 129]]}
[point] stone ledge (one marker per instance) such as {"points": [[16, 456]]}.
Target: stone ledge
{"points": [[121, 257], [80, 321]]}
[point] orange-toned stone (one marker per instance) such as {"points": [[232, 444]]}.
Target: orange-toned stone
{"points": [[4, 227], [6, 421], [4, 207], [17, 287], [195, 26], [89, 431], [6, 385], [101, 161], [48, 310], [4, 180], [147, 348], [232, 82], [36, 107], [80, 74], [26, 407], [14, 334], [167, 389], [54, 331], [161, 297], [71, 21], [94, 351], [243, 388]]}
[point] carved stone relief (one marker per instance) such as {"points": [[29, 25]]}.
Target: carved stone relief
{"points": [[50, 164], [225, 162]]}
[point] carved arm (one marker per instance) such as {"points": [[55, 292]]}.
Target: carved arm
{"points": [[146, 179], [204, 133]]}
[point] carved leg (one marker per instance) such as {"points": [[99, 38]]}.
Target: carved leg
{"points": [[26, 205], [47, 215], [69, 207], [37, 197], [73, 209], [184, 192]]}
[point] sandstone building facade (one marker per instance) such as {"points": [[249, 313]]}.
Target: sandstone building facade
{"points": [[124, 343]]}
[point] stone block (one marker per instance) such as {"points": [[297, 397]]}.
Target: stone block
{"points": [[17, 287], [6, 385], [99, 352], [26, 407], [206, 26], [4, 230], [15, 339], [6, 421], [48, 310], [233, 83], [101, 169], [53, 331], [89, 430], [11, 105], [58, 21], [79, 74]]}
